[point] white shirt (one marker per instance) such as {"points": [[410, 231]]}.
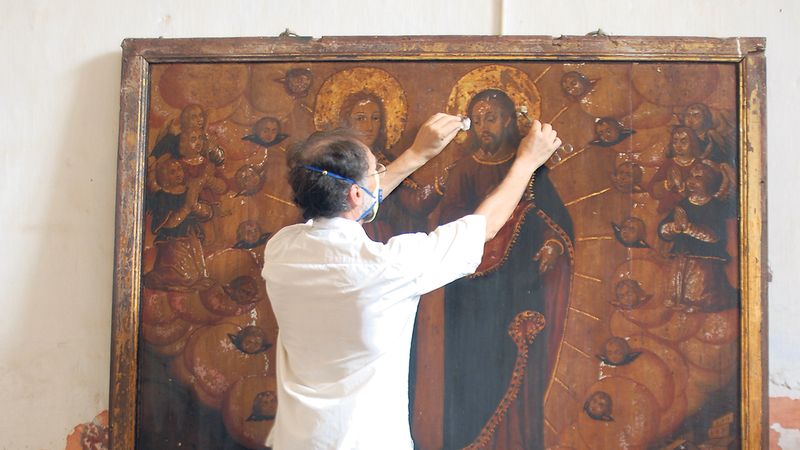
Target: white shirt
{"points": [[345, 307]]}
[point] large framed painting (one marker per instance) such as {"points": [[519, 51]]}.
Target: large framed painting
{"points": [[623, 306]]}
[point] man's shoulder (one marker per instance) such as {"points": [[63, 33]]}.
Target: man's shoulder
{"points": [[290, 230], [294, 228], [287, 233], [307, 243]]}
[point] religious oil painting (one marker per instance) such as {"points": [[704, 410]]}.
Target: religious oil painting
{"points": [[619, 307]]}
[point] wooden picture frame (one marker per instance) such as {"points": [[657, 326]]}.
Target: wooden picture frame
{"points": [[739, 62]]}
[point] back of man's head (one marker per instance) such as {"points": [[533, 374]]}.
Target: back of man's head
{"points": [[338, 152]]}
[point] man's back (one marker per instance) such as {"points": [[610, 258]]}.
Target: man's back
{"points": [[346, 306]]}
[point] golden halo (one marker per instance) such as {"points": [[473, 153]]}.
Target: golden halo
{"points": [[514, 82], [379, 82]]}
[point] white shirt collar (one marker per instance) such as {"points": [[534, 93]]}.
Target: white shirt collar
{"points": [[335, 223]]}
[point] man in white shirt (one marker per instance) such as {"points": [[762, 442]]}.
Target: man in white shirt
{"points": [[346, 305]]}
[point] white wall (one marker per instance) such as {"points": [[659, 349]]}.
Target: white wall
{"points": [[59, 97]]}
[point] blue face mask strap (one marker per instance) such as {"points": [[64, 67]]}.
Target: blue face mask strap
{"points": [[349, 180], [369, 210]]}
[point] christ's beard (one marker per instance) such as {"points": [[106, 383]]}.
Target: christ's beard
{"points": [[490, 145]]}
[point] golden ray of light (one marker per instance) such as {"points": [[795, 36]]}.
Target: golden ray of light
{"points": [[591, 316], [566, 388], [558, 114], [578, 350], [568, 157], [587, 277], [539, 77], [594, 238], [550, 425], [586, 197], [281, 200]]}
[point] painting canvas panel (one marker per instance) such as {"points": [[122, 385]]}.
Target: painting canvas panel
{"points": [[606, 313]]}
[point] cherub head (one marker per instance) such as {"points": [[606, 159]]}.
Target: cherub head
{"points": [[250, 340], [617, 352], [298, 81], [266, 132], [243, 290], [250, 235], [265, 405], [170, 175], [630, 232], [598, 406], [267, 129], [629, 294], [575, 85], [609, 131], [627, 177]]}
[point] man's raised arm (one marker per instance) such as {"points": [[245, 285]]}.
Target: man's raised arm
{"points": [[432, 138]]}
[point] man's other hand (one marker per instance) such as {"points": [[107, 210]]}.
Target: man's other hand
{"points": [[435, 134], [539, 144]]}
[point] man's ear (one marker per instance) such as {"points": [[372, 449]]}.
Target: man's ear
{"points": [[354, 195]]}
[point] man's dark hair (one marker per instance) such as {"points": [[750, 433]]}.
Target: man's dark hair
{"points": [[339, 152], [508, 107]]}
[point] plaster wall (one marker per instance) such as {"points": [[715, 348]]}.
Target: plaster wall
{"points": [[59, 91]]}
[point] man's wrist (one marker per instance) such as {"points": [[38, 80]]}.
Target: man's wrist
{"points": [[414, 158], [524, 165]]}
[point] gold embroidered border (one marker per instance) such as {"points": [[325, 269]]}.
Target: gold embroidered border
{"points": [[511, 242], [522, 338], [492, 163]]}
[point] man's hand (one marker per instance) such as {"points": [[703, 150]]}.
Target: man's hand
{"points": [[675, 180], [432, 138], [539, 144], [547, 257], [681, 220], [435, 134]]}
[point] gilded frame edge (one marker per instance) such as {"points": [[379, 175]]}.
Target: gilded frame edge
{"points": [[139, 54]]}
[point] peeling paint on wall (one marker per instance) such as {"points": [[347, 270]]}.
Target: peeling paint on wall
{"points": [[90, 435], [784, 423]]}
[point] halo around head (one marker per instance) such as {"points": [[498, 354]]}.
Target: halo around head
{"points": [[514, 82], [379, 82]]}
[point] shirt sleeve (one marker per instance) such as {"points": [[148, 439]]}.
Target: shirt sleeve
{"points": [[449, 252]]}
